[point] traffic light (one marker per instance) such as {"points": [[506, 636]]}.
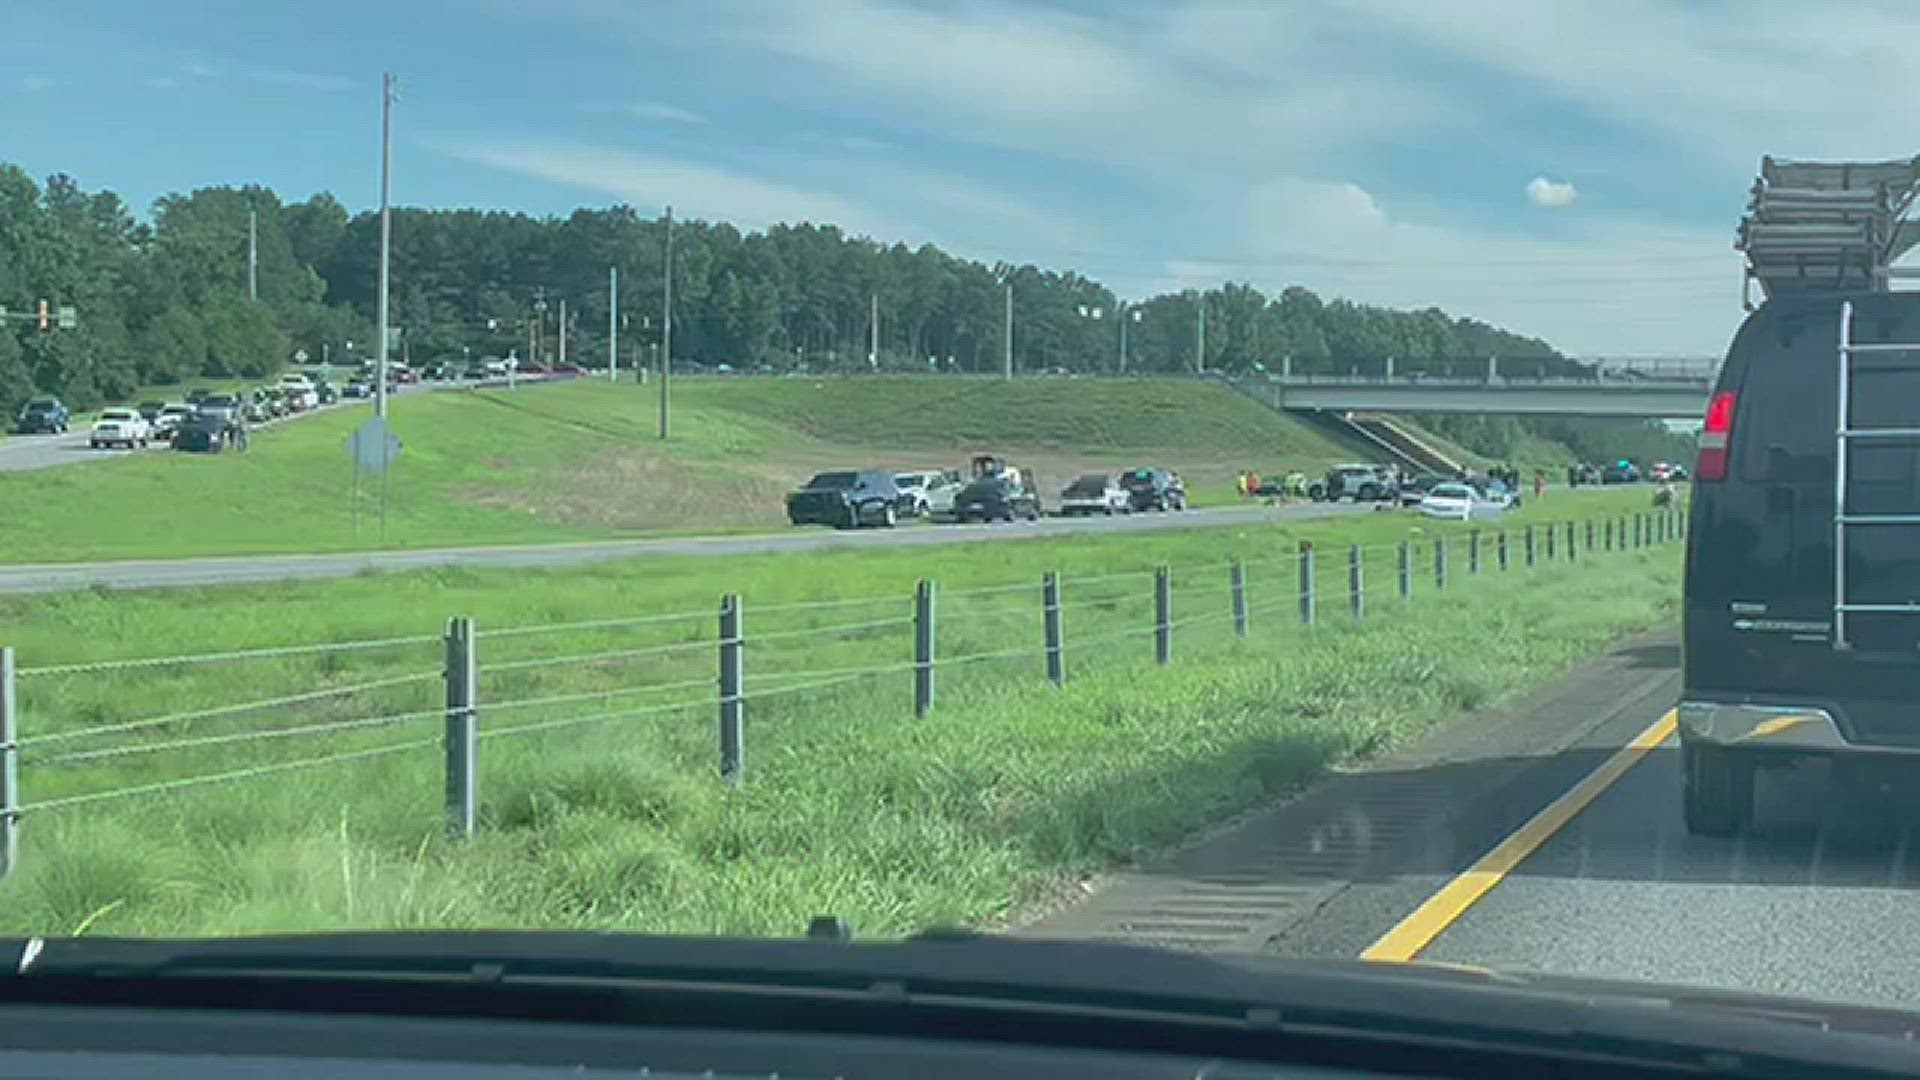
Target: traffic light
{"points": [[45, 316]]}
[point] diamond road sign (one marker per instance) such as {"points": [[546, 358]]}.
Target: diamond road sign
{"points": [[373, 447]]}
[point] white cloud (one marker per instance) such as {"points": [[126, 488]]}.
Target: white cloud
{"points": [[660, 112], [1773, 76], [1615, 288], [302, 80], [693, 189], [35, 83], [1550, 193], [1251, 137]]}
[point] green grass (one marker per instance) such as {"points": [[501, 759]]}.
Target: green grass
{"points": [[1006, 792], [581, 461]]}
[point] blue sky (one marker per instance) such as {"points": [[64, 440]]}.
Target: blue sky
{"points": [[1377, 149]]}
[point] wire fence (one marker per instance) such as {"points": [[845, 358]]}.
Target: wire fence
{"points": [[70, 739]]}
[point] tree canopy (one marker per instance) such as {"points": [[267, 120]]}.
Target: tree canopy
{"points": [[167, 299]]}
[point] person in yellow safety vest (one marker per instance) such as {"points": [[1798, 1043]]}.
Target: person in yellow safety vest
{"points": [[1240, 484], [1296, 485]]}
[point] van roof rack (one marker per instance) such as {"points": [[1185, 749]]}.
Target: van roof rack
{"points": [[1827, 226]]}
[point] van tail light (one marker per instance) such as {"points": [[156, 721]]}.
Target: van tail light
{"points": [[1716, 437]]}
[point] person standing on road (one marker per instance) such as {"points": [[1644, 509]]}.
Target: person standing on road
{"points": [[1539, 483]]}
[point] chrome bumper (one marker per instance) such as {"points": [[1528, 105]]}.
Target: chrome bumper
{"points": [[1771, 727]]}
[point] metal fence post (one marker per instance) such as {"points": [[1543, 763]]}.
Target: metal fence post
{"points": [[1553, 541], [1439, 562], [1050, 619], [1607, 535], [462, 729], [1530, 542], [1473, 551], [1500, 550], [1406, 569], [9, 768], [1356, 583], [733, 750], [1237, 588], [1573, 548], [1307, 601], [1163, 615], [922, 649], [1589, 534]]}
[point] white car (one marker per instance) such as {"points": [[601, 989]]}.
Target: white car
{"points": [[1095, 493], [171, 417], [941, 493], [915, 488], [120, 427], [1458, 502], [300, 391]]}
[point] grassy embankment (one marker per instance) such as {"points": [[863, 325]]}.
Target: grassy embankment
{"points": [[583, 461], [1006, 792]]}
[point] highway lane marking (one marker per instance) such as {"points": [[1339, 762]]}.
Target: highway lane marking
{"points": [[1419, 929]]}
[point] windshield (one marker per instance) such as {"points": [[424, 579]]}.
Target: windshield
{"points": [[1467, 459]]}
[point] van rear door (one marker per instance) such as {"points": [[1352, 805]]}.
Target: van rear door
{"points": [[1760, 574]]}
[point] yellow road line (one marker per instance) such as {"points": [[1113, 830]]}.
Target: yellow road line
{"points": [[1439, 911]]}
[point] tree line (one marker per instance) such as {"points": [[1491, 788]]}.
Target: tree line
{"points": [[174, 298]]}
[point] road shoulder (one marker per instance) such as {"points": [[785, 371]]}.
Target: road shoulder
{"points": [[1328, 871]]}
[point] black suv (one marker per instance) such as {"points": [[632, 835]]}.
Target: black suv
{"points": [[1154, 489], [42, 416], [1790, 653], [996, 498], [847, 500]]}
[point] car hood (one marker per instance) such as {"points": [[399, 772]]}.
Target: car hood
{"points": [[1368, 998]]}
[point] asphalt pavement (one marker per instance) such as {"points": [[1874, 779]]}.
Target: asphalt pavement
{"points": [[1821, 900], [175, 573]]}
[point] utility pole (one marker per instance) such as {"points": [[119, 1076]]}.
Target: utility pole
{"points": [[563, 332], [1009, 330], [873, 332], [1200, 339], [386, 239], [253, 255], [613, 324], [666, 328]]}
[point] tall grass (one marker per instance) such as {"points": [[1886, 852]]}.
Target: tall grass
{"points": [[1009, 789]]}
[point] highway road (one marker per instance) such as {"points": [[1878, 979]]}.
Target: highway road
{"points": [[1820, 901], [233, 570]]}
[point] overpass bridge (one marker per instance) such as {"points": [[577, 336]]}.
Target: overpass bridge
{"points": [[1669, 390]]}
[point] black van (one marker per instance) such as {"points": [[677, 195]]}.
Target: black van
{"points": [[1774, 668]]}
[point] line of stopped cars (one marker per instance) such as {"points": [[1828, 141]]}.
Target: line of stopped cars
{"points": [[991, 489]]}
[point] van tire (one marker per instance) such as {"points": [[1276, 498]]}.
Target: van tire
{"points": [[1718, 790]]}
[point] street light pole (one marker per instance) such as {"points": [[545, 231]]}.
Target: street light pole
{"points": [[666, 327], [613, 324], [1009, 331], [1200, 338], [563, 332], [386, 240], [253, 255]]}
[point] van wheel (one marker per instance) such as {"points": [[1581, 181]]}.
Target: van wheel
{"points": [[1718, 794]]}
